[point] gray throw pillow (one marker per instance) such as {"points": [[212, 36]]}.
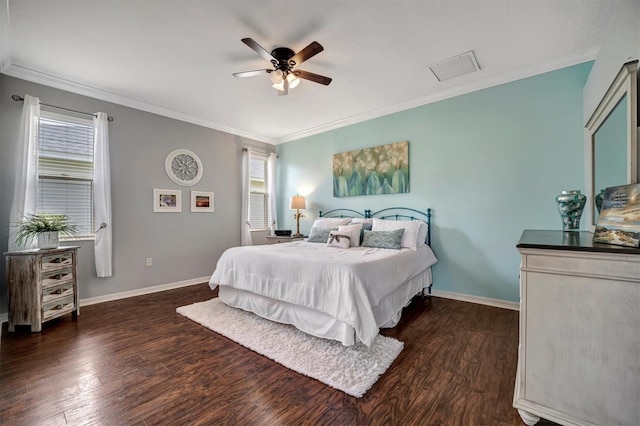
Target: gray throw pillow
{"points": [[383, 239], [319, 235]]}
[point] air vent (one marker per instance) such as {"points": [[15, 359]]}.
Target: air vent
{"points": [[455, 67]]}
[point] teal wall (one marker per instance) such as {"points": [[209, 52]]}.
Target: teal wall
{"points": [[488, 163]]}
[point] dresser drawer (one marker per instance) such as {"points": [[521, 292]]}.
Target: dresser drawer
{"points": [[53, 294], [57, 308], [50, 279], [583, 264], [57, 261]]}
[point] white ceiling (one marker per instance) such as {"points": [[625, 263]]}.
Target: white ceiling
{"points": [[176, 58]]}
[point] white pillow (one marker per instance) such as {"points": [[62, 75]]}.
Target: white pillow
{"points": [[337, 239], [422, 233], [411, 228], [331, 222], [358, 220], [353, 231]]}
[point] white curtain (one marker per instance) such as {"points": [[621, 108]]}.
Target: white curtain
{"points": [[245, 226], [25, 191], [102, 195], [271, 179]]}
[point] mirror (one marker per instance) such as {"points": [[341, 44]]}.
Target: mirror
{"points": [[610, 151], [611, 139]]}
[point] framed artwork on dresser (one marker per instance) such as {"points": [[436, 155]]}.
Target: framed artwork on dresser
{"points": [[619, 220]]}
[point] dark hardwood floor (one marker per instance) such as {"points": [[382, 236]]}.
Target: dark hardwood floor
{"points": [[137, 362]]}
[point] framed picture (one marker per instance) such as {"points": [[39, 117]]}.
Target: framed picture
{"points": [[201, 201], [167, 201], [378, 170], [619, 219]]}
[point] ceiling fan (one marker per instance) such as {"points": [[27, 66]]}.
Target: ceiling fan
{"points": [[284, 75]]}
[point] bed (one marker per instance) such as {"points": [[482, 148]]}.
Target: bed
{"points": [[344, 293]]}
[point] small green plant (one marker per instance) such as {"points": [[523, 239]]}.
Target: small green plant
{"points": [[34, 224]]}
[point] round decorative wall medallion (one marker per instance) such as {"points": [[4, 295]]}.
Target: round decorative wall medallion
{"points": [[183, 167]]}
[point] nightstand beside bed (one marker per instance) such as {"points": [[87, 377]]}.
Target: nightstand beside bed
{"points": [[283, 239]]}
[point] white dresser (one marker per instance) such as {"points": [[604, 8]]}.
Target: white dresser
{"points": [[579, 353]]}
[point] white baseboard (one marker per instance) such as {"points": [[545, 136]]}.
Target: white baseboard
{"points": [[4, 317], [142, 291], [498, 303], [162, 287]]}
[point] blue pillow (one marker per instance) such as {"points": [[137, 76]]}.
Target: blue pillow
{"points": [[383, 239], [319, 235]]}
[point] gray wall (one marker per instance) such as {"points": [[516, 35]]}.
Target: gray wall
{"points": [[183, 245]]}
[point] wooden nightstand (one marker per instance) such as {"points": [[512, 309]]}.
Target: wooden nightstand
{"points": [[42, 285], [278, 240]]}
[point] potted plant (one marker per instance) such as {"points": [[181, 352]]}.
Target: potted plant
{"points": [[46, 227]]}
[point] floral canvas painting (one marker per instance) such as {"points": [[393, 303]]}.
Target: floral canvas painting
{"points": [[382, 169]]}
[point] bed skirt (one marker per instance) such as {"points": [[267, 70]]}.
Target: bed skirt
{"points": [[387, 314]]}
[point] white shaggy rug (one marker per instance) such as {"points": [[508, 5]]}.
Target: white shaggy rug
{"points": [[352, 369]]}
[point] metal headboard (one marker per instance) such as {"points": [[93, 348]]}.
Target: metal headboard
{"points": [[342, 213], [395, 213]]}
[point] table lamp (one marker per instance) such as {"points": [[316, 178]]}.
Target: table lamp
{"points": [[297, 203]]}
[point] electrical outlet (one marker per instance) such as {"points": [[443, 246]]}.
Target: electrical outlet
{"points": [[149, 261]]}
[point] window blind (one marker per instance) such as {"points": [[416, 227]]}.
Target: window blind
{"points": [[65, 169], [259, 198]]}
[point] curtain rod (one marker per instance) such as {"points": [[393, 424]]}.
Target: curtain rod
{"points": [[245, 149], [20, 98]]}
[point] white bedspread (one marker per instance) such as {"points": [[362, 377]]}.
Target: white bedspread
{"points": [[343, 283]]}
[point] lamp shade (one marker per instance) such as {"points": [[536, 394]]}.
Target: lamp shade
{"points": [[297, 203], [276, 76], [293, 81]]}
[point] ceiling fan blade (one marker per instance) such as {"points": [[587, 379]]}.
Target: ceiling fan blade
{"points": [[316, 78], [250, 73], [311, 50], [259, 49]]}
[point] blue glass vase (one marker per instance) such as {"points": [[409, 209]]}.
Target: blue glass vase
{"points": [[570, 205], [599, 199]]}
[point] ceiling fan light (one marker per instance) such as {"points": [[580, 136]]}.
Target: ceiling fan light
{"points": [[293, 81], [276, 77], [279, 86]]}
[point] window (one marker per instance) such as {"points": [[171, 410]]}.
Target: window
{"points": [[259, 195], [65, 169]]}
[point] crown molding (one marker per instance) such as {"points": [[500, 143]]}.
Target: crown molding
{"points": [[485, 83], [81, 89]]}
